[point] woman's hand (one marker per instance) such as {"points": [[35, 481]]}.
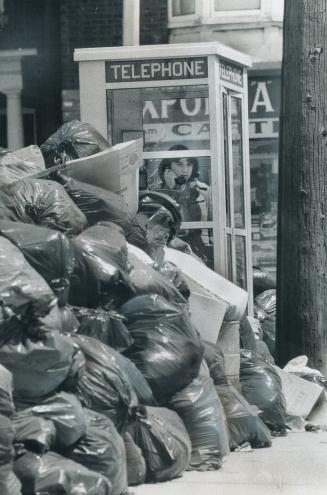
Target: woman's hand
{"points": [[169, 178]]}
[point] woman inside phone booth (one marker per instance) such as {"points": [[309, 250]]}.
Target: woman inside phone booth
{"points": [[178, 177]]}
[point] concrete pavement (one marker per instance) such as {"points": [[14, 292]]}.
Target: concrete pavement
{"points": [[294, 465]]}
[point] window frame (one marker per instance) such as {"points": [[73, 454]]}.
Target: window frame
{"points": [[206, 14]]}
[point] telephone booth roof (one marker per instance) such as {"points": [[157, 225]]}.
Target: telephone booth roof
{"points": [[161, 51]]}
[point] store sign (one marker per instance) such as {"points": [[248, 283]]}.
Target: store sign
{"points": [[156, 70], [231, 73], [175, 119], [264, 107]]}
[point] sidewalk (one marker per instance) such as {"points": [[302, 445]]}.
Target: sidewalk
{"points": [[294, 465]]}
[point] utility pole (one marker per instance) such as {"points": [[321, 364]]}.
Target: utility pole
{"points": [[302, 228]]}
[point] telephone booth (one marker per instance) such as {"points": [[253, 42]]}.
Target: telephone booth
{"points": [[188, 102]]}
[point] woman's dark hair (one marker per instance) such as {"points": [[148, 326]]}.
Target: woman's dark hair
{"points": [[166, 162]]}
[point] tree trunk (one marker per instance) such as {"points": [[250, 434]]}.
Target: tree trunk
{"points": [[302, 228]]}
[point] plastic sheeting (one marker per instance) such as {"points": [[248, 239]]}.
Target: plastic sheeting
{"points": [[52, 474], [96, 203], [164, 442], [44, 202], [49, 252], [104, 386], [101, 270], [243, 421], [24, 294], [202, 413], [103, 325], [262, 387], [102, 449], [72, 140], [167, 348]]}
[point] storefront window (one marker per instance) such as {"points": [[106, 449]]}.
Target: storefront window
{"points": [[175, 115], [183, 7], [170, 116], [185, 179], [226, 5]]}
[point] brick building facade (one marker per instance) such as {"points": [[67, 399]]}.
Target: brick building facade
{"points": [[55, 28]]}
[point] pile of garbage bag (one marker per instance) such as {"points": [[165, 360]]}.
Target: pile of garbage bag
{"points": [[105, 381]]}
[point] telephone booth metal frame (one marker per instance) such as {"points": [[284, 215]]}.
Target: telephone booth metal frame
{"points": [[210, 73]]}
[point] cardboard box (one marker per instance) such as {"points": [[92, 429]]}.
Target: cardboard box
{"points": [[207, 314], [115, 169], [300, 395], [229, 343], [205, 281], [318, 415]]}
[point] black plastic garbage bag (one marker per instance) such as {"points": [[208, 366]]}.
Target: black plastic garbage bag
{"points": [[203, 415], [262, 281], [7, 206], [136, 466], [72, 140], [38, 367], [34, 433], [101, 268], [102, 450], [140, 385], [215, 361], [262, 387], [66, 413], [266, 301], [167, 348], [149, 203], [104, 325], [19, 164], [175, 276], [148, 280], [68, 320], [52, 474], [49, 252], [7, 407], [243, 420], [96, 203], [164, 442], [24, 294], [45, 202], [104, 386], [9, 483], [7, 434]]}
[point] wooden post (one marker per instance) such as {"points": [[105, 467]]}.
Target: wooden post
{"points": [[302, 228]]}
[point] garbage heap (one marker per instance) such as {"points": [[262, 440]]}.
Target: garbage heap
{"points": [[105, 382]]}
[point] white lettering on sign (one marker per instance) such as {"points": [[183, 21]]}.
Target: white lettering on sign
{"points": [[196, 107], [263, 128], [231, 73], [135, 70], [174, 132], [191, 107], [261, 97]]}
